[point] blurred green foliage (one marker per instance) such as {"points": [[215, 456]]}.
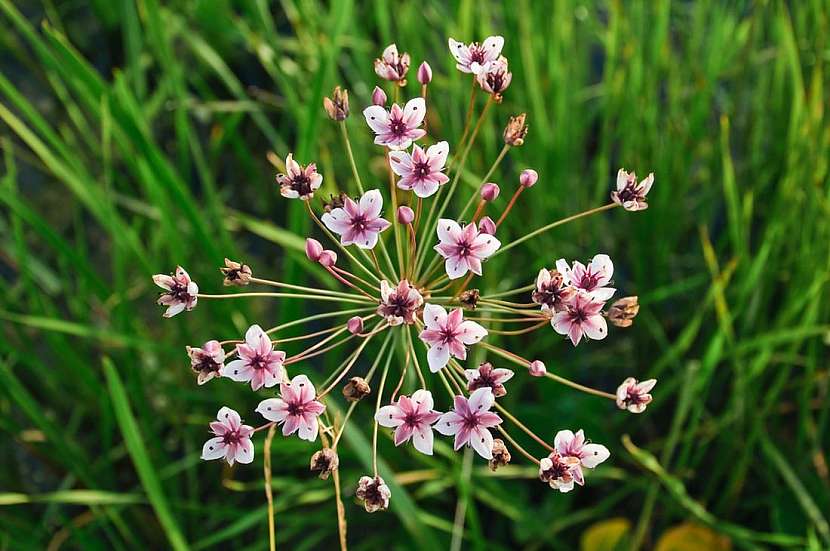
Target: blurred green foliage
{"points": [[134, 137]]}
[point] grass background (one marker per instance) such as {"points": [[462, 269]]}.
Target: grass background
{"points": [[134, 136]]}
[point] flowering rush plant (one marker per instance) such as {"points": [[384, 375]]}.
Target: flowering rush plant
{"points": [[405, 266]]}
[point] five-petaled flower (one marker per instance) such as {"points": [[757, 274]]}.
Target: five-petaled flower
{"points": [[470, 420], [486, 376], [630, 194], [397, 128], [374, 493], [551, 293], [592, 278], [476, 58], [448, 335], [412, 418], [358, 222], [399, 304], [464, 249], [635, 396], [391, 65], [258, 362], [232, 441], [299, 182], [207, 361], [422, 171], [296, 409], [180, 292], [560, 472], [496, 78], [582, 316], [573, 445]]}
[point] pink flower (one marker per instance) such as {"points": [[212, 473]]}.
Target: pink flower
{"points": [[634, 396], [258, 362], [447, 335], [476, 58], [630, 194], [207, 361], [486, 376], [537, 368], [496, 78], [592, 279], [464, 249], [397, 128], [180, 292], [399, 304], [582, 316], [232, 440], [421, 172], [560, 472], [299, 182], [391, 65], [573, 445], [470, 420], [551, 292], [358, 223], [412, 418], [374, 493], [296, 409]]}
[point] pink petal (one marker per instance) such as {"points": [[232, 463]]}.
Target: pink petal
{"points": [[482, 442], [434, 316]]}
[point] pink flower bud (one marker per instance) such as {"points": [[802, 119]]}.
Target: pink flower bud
{"points": [[486, 225], [328, 258], [313, 249], [424, 73], [405, 215], [489, 191], [379, 97], [537, 368], [355, 325], [528, 177]]}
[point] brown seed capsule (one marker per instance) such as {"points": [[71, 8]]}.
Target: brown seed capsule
{"points": [[335, 202], [515, 131], [469, 299], [501, 456], [324, 462], [623, 311], [356, 389], [337, 107], [236, 273]]}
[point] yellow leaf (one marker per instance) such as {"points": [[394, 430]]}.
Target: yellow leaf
{"points": [[605, 535], [692, 537]]}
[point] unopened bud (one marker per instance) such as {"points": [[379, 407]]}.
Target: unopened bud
{"points": [[355, 325], [379, 96], [356, 389], [486, 225], [424, 73], [501, 456], [324, 462], [236, 273], [623, 311], [489, 191], [405, 215], [469, 299], [528, 177], [337, 107], [537, 368], [515, 131], [313, 249], [328, 258]]}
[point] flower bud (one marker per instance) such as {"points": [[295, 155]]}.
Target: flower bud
{"points": [[424, 73], [623, 311], [328, 258], [356, 389], [537, 368], [355, 325], [501, 456], [379, 96], [313, 249], [469, 299], [515, 131], [405, 215], [324, 462], [337, 107], [528, 177], [489, 191], [486, 225], [236, 273]]}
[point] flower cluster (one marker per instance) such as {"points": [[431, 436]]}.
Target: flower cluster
{"points": [[405, 303]]}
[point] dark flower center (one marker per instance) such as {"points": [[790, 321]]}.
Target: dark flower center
{"points": [[476, 53], [206, 365], [589, 280], [557, 470], [301, 184], [296, 409], [422, 170], [231, 437], [629, 192], [397, 127]]}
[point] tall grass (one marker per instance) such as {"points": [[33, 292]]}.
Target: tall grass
{"points": [[134, 137]]}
